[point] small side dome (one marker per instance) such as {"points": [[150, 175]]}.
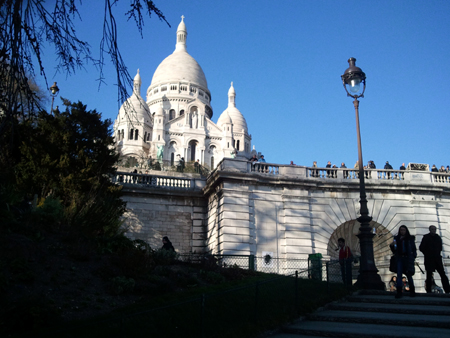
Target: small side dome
{"points": [[134, 108], [237, 119], [224, 119]]}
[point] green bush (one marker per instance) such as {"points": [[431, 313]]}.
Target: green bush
{"points": [[49, 213], [164, 257], [212, 277], [30, 313], [121, 285]]}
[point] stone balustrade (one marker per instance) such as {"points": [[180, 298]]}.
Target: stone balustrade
{"points": [[288, 171], [157, 181]]}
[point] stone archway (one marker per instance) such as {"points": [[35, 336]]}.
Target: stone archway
{"points": [[348, 230]]}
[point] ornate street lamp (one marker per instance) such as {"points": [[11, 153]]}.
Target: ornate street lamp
{"points": [[54, 91], [368, 277]]}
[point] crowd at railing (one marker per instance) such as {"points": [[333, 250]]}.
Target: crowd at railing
{"points": [[154, 178], [380, 174]]}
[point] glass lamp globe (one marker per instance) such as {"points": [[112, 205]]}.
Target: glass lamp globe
{"points": [[354, 85]]}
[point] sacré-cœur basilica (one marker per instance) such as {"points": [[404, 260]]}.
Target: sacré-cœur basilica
{"points": [[283, 211], [176, 117]]}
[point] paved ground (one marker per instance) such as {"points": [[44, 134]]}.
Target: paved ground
{"points": [[376, 314]]}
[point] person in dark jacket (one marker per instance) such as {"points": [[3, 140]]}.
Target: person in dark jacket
{"points": [[404, 249], [167, 244], [387, 166], [431, 247]]}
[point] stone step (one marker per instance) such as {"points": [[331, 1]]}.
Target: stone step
{"points": [[420, 299], [383, 318], [391, 308], [358, 330], [376, 314]]}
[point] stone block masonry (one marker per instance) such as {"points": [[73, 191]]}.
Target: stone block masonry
{"points": [[181, 218]]}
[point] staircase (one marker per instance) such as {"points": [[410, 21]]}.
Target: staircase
{"points": [[376, 314]]}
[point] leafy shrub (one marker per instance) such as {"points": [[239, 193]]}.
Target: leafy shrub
{"points": [[31, 312], [82, 250], [142, 245], [49, 213], [212, 277], [121, 285], [133, 262], [164, 257], [114, 244]]}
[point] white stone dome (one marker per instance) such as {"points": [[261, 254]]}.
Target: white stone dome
{"points": [[134, 108], [237, 119], [224, 119], [180, 66]]}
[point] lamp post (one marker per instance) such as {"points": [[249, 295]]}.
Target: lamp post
{"points": [[368, 277], [54, 91]]}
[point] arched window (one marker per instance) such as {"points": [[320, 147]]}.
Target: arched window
{"points": [[145, 136], [172, 159], [192, 146], [181, 112], [136, 134], [123, 134], [171, 114], [131, 134], [194, 109], [237, 145], [212, 162]]}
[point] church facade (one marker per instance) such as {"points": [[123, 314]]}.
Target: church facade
{"points": [[175, 120]]}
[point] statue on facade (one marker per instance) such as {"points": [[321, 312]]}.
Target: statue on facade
{"points": [[159, 154], [195, 120]]}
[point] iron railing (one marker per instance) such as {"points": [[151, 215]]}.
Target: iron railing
{"points": [[213, 314]]}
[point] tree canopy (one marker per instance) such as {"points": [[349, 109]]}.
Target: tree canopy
{"points": [[70, 157], [26, 26]]}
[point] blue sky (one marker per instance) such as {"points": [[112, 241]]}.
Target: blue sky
{"points": [[285, 59]]}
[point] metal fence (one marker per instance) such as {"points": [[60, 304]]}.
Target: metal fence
{"points": [[268, 301], [311, 268]]}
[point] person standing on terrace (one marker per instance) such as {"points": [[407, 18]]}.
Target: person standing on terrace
{"points": [[345, 172], [387, 166]]}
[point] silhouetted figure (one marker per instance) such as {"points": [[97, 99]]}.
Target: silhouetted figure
{"points": [[431, 247], [167, 244]]}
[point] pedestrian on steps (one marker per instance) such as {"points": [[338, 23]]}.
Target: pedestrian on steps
{"points": [[405, 252]]}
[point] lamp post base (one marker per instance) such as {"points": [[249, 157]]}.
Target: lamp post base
{"points": [[368, 277], [370, 280]]}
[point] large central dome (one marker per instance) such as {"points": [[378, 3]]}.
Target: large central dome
{"points": [[180, 66]]}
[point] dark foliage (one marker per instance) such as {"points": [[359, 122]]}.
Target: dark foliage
{"points": [[25, 28]]}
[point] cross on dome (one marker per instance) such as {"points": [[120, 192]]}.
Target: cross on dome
{"points": [[181, 36]]}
